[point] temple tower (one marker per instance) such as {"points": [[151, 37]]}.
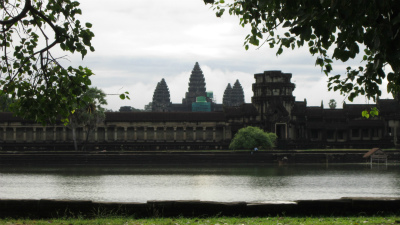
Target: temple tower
{"points": [[273, 98], [197, 86], [227, 96], [161, 97], [237, 94]]}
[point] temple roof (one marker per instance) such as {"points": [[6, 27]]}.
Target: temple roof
{"points": [[244, 109], [355, 110], [299, 108], [388, 105], [165, 116], [314, 111], [334, 113]]}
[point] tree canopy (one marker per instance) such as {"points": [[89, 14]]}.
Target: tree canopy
{"points": [[332, 104], [332, 30], [89, 114], [252, 137], [30, 70]]}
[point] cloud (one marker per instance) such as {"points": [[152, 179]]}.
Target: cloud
{"points": [[140, 42]]}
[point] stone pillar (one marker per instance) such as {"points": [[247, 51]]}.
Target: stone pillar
{"points": [[370, 133], [145, 133], [194, 133], [84, 133], [135, 133], [64, 138], [95, 134], [165, 133], [5, 133], [175, 133], [115, 133], [204, 133], [125, 133], [24, 136], [15, 133], [105, 134], [44, 134], [34, 134], [55, 134], [394, 128], [155, 133], [184, 133], [214, 134], [335, 134]]}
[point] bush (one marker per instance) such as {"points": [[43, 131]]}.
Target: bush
{"points": [[251, 137]]}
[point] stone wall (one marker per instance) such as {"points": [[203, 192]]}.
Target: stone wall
{"points": [[47, 208], [181, 158]]}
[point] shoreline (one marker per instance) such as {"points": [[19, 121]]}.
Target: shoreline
{"points": [[189, 158]]}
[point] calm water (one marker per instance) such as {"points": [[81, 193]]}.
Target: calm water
{"points": [[251, 183]]}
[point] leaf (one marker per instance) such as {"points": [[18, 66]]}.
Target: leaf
{"points": [[287, 24], [280, 50], [122, 96], [365, 114]]}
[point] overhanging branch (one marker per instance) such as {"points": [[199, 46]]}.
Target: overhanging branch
{"points": [[21, 15]]}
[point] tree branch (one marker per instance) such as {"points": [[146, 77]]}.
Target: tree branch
{"points": [[21, 15]]}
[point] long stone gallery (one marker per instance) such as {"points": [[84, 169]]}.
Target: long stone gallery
{"points": [[199, 123]]}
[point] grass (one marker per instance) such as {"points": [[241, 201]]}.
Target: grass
{"points": [[214, 220]]}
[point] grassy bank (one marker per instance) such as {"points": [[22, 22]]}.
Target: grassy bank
{"points": [[215, 220]]}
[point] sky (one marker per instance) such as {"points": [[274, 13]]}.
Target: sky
{"points": [[142, 41]]}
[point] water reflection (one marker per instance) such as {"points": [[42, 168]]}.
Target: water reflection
{"points": [[240, 183]]}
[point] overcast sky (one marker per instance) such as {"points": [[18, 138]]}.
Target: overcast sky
{"points": [[142, 41]]}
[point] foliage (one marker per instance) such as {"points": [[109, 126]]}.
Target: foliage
{"points": [[332, 104], [342, 27], [5, 102], [89, 114], [129, 109], [272, 137], [29, 70], [370, 113], [251, 137]]}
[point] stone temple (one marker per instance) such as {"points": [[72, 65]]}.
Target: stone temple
{"points": [[196, 99], [199, 123]]}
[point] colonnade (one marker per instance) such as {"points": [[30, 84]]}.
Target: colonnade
{"points": [[115, 132]]}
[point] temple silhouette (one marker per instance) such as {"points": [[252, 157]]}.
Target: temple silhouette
{"points": [[197, 98], [200, 123]]}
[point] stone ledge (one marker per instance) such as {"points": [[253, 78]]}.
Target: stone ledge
{"points": [[49, 208]]}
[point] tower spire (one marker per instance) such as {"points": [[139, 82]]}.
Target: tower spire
{"points": [[197, 85], [237, 95], [161, 97], [227, 99]]}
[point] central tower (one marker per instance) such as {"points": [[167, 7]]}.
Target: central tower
{"points": [[197, 86]]}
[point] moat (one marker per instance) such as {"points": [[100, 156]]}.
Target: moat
{"points": [[206, 183]]}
